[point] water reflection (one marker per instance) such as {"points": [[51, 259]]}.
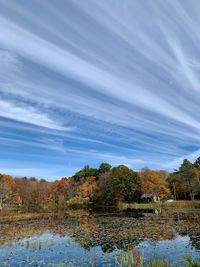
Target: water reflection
{"points": [[82, 235]]}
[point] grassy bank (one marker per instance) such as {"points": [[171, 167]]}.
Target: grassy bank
{"points": [[173, 206], [181, 204], [12, 217]]}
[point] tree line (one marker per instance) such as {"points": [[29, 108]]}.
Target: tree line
{"points": [[102, 186]]}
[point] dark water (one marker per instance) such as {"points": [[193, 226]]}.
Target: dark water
{"points": [[81, 238]]}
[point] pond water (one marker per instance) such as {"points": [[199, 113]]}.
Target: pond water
{"points": [[83, 238]]}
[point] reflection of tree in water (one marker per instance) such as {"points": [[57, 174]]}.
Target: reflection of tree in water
{"points": [[188, 224], [110, 231], [195, 240]]}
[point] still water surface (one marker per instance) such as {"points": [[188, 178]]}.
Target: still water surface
{"points": [[81, 238]]}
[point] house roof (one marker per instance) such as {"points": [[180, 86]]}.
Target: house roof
{"points": [[147, 195]]}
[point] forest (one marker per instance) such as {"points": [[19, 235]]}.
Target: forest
{"points": [[103, 186]]}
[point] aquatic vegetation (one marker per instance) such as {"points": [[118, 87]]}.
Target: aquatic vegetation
{"points": [[158, 263], [191, 263], [127, 259], [130, 258], [107, 238]]}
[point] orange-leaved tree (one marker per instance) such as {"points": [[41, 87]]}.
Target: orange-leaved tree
{"points": [[88, 189], [153, 183], [60, 191]]}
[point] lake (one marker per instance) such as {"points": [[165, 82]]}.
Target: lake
{"points": [[87, 238]]}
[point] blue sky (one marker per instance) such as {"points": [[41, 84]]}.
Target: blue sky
{"points": [[85, 82]]}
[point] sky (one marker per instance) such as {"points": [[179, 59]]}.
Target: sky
{"points": [[85, 82]]}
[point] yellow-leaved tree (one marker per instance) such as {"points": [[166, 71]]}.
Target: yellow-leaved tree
{"points": [[7, 187]]}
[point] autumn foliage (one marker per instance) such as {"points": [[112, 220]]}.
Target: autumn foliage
{"points": [[103, 186], [7, 187], [153, 183]]}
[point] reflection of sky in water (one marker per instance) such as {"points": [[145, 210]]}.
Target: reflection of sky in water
{"points": [[173, 251], [49, 248]]}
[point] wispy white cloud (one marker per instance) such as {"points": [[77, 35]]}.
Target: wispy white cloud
{"points": [[28, 114], [177, 162], [124, 75], [50, 144], [53, 57]]}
